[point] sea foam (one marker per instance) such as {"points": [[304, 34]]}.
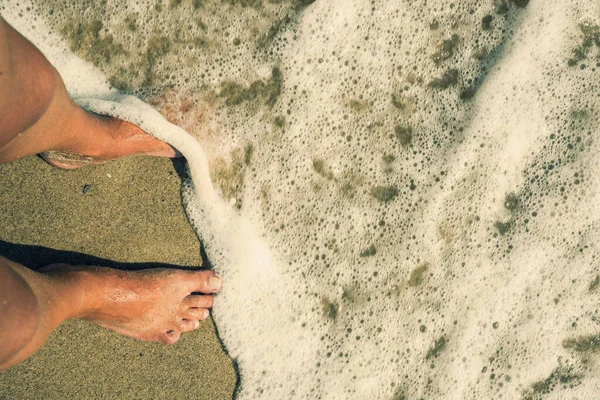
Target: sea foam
{"points": [[405, 199]]}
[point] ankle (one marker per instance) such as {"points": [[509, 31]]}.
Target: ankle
{"points": [[85, 134], [70, 287], [95, 290]]}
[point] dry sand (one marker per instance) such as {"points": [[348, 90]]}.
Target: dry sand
{"points": [[129, 215]]}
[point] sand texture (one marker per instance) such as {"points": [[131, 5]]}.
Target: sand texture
{"points": [[128, 214]]}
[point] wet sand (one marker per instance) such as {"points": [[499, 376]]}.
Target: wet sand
{"points": [[125, 213]]}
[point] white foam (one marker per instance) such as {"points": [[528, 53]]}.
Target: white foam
{"points": [[457, 268]]}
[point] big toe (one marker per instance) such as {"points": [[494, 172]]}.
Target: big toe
{"points": [[205, 282]]}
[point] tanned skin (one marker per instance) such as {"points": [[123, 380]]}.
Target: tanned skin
{"points": [[37, 116]]}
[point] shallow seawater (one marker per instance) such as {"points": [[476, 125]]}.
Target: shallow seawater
{"points": [[408, 200]]}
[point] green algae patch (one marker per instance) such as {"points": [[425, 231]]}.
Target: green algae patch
{"points": [[321, 169], [503, 227], [520, 3], [397, 102], [268, 92], [399, 395], [329, 308], [157, 47], [86, 39], [245, 3], [264, 41], [486, 22], [388, 158], [374, 125], [274, 87], [358, 105], [347, 189], [348, 184], [248, 153], [417, 276], [562, 375], [481, 53], [587, 344], [230, 176], [591, 37], [300, 4], [438, 346], [369, 252], [384, 194], [594, 284], [404, 134], [235, 93], [279, 121], [511, 202], [349, 295], [449, 78], [501, 7], [468, 93], [131, 23], [128, 78], [445, 50]]}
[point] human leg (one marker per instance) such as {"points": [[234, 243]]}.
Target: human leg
{"points": [[38, 115], [151, 305]]}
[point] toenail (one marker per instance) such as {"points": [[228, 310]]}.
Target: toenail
{"points": [[204, 315], [196, 324], [214, 283]]}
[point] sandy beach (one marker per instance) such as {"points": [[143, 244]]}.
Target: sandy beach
{"points": [[127, 214]]}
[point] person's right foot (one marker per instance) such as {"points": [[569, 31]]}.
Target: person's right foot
{"points": [[151, 305], [101, 138]]}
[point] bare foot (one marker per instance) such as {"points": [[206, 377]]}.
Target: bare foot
{"points": [[151, 305], [100, 138]]}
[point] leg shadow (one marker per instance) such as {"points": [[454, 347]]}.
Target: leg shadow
{"points": [[36, 257]]}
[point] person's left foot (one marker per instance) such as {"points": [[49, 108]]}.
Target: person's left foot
{"points": [[100, 138], [150, 305]]}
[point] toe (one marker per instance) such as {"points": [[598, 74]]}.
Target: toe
{"points": [[205, 282], [198, 301], [187, 325], [170, 337], [195, 313]]}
